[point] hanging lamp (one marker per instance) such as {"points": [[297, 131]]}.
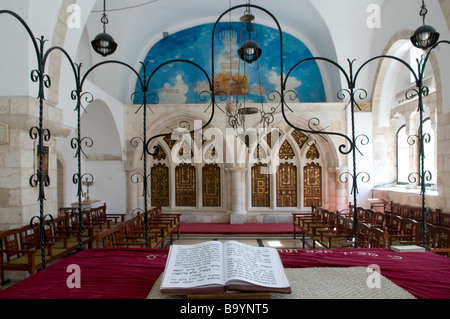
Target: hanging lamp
{"points": [[249, 50], [425, 36], [103, 43]]}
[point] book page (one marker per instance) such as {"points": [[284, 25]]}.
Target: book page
{"points": [[194, 265], [257, 265]]}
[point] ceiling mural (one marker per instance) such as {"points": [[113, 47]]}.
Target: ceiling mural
{"points": [[182, 83]]}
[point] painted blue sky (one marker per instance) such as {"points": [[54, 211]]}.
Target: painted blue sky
{"points": [[179, 83]]}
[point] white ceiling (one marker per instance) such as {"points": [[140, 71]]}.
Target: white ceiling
{"points": [[137, 25], [334, 29]]}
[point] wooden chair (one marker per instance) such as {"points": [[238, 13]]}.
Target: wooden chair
{"points": [[437, 238], [13, 255], [411, 229], [444, 220], [440, 240], [31, 240], [71, 229], [174, 219], [377, 238], [319, 217], [362, 235], [318, 232], [370, 217], [433, 216], [137, 231], [298, 218], [380, 219], [309, 226], [105, 216], [394, 225], [315, 215], [361, 214], [343, 236], [62, 211], [404, 211], [123, 235], [394, 209], [415, 213], [59, 237]]}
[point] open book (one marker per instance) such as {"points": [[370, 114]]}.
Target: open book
{"points": [[213, 267]]}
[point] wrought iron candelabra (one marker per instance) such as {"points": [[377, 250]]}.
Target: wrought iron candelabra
{"points": [[351, 93]]}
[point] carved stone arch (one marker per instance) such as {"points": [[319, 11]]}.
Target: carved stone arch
{"points": [[391, 48], [328, 148]]}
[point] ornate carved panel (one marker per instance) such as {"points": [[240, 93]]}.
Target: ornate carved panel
{"points": [[185, 194], [300, 138], [211, 185], [169, 141], [312, 185], [161, 154], [287, 185], [312, 153], [160, 184], [286, 151], [260, 186]]}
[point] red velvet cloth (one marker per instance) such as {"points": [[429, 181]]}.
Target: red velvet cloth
{"points": [[113, 273], [121, 273]]}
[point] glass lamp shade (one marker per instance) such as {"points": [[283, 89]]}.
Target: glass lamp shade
{"points": [[249, 51], [425, 37], [104, 44]]}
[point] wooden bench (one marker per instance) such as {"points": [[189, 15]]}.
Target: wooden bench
{"points": [[21, 247], [169, 222], [299, 218], [343, 235], [320, 219], [174, 218], [126, 235], [67, 232]]}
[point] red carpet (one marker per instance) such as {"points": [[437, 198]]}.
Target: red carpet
{"points": [[235, 229]]}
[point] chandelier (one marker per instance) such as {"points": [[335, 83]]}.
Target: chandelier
{"points": [[249, 52]]}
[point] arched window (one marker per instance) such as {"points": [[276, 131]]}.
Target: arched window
{"points": [[403, 170], [404, 150]]}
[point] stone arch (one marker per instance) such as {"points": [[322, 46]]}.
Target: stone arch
{"points": [[329, 161], [163, 125], [384, 132]]}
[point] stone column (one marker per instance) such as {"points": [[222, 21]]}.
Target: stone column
{"points": [[237, 189], [18, 200]]}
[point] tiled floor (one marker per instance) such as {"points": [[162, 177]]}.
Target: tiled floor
{"points": [[280, 242]]}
